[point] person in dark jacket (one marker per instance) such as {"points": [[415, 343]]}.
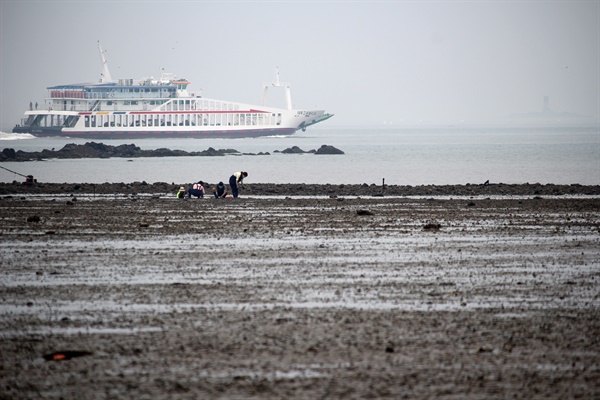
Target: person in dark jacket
{"points": [[235, 180], [220, 191]]}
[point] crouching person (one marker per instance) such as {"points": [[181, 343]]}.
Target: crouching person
{"points": [[220, 191], [196, 190]]}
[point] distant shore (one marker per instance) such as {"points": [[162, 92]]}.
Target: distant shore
{"points": [[270, 189]]}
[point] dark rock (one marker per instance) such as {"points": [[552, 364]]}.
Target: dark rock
{"points": [[293, 150], [101, 150], [228, 151], [363, 212], [326, 149], [210, 152], [8, 154], [432, 227]]}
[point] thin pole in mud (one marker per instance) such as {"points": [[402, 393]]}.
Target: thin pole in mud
{"points": [[14, 172], [382, 186]]}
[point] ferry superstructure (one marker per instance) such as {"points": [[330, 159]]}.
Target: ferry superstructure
{"points": [[157, 108]]}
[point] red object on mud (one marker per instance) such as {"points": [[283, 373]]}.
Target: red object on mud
{"points": [[65, 355]]}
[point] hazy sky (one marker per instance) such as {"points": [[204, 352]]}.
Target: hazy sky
{"points": [[365, 61]]}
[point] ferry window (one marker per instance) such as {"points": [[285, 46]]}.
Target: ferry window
{"points": [[87, 121], [109, 103], [134, 103], [71, 121]]}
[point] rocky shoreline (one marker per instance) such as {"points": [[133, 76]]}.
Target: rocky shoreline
{"points": [[101, 150], [331, 190]]}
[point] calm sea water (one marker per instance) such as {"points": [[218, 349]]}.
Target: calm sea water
{"points": [[403, 156]]}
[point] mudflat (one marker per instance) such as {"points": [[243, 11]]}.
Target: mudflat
{"points": [[147, 296]]}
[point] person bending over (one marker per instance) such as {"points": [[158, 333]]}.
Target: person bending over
{"points": [[235, 180]]}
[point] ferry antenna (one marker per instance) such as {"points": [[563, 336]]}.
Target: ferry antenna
{"points": [[105, 75]]}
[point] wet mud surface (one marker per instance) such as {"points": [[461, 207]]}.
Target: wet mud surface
{"points": [[152, 297]]}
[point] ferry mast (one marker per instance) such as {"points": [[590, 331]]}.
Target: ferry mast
{"points": [[105, 75], [277, 83]]}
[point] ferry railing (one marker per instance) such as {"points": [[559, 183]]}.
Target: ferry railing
{"points": [[130, 95]]}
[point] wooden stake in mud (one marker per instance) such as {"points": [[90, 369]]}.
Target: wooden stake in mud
{"points": [[382, 186]]}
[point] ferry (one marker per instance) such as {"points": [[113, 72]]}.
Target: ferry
{"points": [[158, 108]]}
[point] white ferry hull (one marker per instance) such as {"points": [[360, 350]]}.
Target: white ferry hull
{"points": [[157, 124], [141, 134]]}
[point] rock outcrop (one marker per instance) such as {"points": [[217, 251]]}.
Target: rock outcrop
{"points": [[324, 149], [101, 150]]}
